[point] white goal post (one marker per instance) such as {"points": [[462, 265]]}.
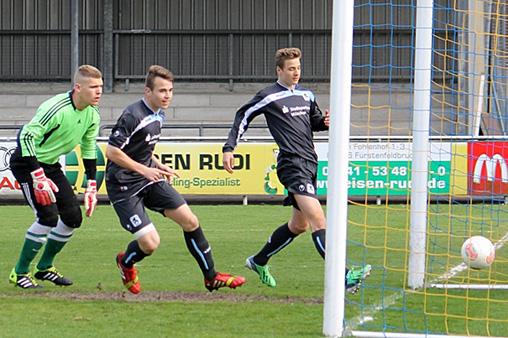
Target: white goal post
{"points": [[467, 90], [340, 108]]}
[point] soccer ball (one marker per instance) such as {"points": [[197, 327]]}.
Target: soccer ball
{"points": [[478, 252]]}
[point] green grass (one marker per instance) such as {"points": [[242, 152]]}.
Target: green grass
{"points": [[377, 235], [29, 317], [389, 304], [234, 232]]}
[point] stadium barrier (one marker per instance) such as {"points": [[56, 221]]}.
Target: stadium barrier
{"points": [[376, 170]]}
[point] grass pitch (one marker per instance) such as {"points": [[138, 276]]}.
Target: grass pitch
{"points": [[173, 301]]}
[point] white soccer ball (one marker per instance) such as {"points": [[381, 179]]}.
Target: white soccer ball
{"points": [[478, 252]]}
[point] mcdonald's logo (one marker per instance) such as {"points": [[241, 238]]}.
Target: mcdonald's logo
{"points": [[488, 168], [490, 164]]}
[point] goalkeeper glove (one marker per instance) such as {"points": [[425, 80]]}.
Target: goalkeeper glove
{"points": [[43, 188], [90, 197]]}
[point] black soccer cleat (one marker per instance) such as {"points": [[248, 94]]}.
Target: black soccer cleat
{"points": [[51, 274]]}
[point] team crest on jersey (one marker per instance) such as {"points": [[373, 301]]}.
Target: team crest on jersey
{"points": [[306, 96]]}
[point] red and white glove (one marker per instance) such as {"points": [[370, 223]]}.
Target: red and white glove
{"points": [[43, 188], [90, 197]]}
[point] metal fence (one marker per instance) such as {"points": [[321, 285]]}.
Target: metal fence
{"points": [[45, 55], [205, 40], [218, 55]]}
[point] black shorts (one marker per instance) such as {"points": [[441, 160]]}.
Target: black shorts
{"points": [[157, 197], [66, 200], [298, 177]]}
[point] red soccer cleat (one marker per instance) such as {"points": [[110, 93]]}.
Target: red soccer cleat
{"points": [[129, 276], [224, 279]]}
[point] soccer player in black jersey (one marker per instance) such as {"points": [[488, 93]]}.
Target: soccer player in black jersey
{"points": [[136, 179], [292, 115]]}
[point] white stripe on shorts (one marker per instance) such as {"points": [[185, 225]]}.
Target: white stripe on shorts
{"points": [[144, 230]]}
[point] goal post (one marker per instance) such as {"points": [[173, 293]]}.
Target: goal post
{"points": [[420, 144], [427, 168], [340, 107]]}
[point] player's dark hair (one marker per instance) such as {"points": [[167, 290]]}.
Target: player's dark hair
{"points": [[286, 54], [157, 71]]}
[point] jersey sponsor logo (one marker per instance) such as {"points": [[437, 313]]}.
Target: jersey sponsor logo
{"points": [[299, 110], [285, 109], [152, 139]]}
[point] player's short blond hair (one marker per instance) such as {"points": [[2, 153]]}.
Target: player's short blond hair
{"points": [[286, 54], [86, 72], [157, 71]]}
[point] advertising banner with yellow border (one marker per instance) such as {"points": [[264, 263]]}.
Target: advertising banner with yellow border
{"points": [[200, 168], [201, 171], [383, 170]]}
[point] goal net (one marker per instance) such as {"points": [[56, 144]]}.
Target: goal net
{"points": [[419, 286]]}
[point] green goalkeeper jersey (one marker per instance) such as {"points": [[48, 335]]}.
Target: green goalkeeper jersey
{"points": [[57, 128]]}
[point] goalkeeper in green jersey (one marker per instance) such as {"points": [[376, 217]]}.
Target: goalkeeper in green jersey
{"points": [[60, 124]]}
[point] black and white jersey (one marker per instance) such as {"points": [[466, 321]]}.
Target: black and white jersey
{"points": [[136, 132], [291, 115]]}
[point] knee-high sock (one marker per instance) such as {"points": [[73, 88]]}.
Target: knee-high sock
{"points": [[201, 251], [280, 238], [34, 240], [133, 254], [58, 237], [319, 238]]}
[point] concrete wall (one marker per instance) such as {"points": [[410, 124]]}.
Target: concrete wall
{"points": [[383, 111]]}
